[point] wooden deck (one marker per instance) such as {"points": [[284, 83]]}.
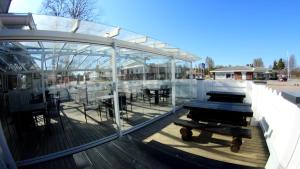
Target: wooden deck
{"points": [[159, 146], [214, 146], [76, 130]]}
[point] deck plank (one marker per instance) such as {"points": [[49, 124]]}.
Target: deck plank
{"points": [[125, 152]]}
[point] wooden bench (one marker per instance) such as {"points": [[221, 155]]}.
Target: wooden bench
{"points": [[237, 133]]}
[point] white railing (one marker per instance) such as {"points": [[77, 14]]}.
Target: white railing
{"points": [[280, 122]]}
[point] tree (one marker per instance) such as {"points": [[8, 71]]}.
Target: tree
{"points": [[54, 7], [210, 64], [280, 64], [258, 62], [275, 65], [76, 9], [292, 62]]}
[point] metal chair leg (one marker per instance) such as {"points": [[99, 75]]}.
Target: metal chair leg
{"points": [[100, 113], [85, 116], [61, 122]]}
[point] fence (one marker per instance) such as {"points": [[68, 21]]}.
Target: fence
{"points": [[279, 120]]}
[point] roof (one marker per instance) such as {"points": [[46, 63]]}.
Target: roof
{"points": [[234, 69], [79, 42], [242, 69]]}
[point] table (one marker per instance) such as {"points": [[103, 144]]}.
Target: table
{"points": [[105, 97], [24, 117], [217, 117], [131, 92], [156, 94], [107, 100], [222, 96], [219, 112]]}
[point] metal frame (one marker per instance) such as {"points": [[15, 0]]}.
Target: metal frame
{"points": [[39, 35], [115, 88], [137, 44], [173, 82]]}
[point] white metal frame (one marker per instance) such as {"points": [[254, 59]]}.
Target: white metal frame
{"points": [[39, 35], [44, 35]]}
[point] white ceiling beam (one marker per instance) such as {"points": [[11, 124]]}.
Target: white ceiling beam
{"points": [[75, 25], [113, 33], [19, 62], [82, 61], [7, 64], [23, 35], [139, 40]]}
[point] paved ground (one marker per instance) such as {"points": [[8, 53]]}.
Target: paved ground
{"points": [[290, 89]]}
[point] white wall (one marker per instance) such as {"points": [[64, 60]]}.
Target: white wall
{"points": [[220, 76]]}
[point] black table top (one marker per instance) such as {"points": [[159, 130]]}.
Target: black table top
{"points": [[229, 107], [239, 94], [30, 107]]}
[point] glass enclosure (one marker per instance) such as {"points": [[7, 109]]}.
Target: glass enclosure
{"points": [[66, 88], [183, 82], [78, 76]]}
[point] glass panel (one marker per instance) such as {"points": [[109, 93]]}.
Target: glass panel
{"points": [[53, 23], [183, 83], [144, 86], [78, 90]]}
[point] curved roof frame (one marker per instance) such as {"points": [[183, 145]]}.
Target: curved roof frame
{"points": [[105, 33], [42, 35]]}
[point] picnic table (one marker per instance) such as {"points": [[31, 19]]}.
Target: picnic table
{"points": [[219, 112], [217, 117], [222, 96]]}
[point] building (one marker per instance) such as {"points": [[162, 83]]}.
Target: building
{"points": [[243, 73]]}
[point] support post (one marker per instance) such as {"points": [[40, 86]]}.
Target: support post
{"points": [[191, 79], [144, 72], [43, 78], [173, 84], [115, 88]]}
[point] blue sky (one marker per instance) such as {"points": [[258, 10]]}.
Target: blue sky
{"points": [[231, 32]]}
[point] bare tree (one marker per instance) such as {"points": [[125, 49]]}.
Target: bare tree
{"points": [[77, 9], [81, 9], [54, 7], [258, 62], [210, 63]]}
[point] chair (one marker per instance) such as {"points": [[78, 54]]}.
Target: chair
{"points": [[122, 106], [147, 95], [53, 111], [39, 115], [92, 106], [165, 93], [108, 106]]}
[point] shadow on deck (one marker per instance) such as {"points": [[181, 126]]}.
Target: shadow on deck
{"points": [[159, 146], [39, 140]]}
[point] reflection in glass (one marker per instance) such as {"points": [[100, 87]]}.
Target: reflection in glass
{"points": [[76, 107]]}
